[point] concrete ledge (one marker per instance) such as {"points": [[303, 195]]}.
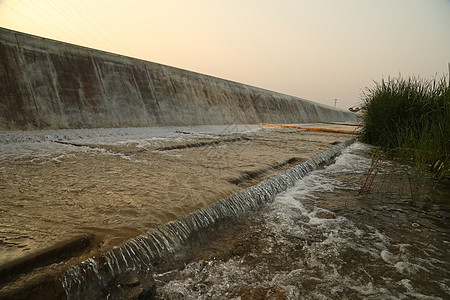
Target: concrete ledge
{"points": [[45, 257]]}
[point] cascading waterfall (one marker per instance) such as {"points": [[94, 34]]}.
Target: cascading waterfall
{"points": [[140, 253]]}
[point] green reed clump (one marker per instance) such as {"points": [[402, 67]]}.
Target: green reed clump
{"points": [[411, 118]]}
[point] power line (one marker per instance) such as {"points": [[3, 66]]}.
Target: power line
{"points": [[63, 28], [82, 15], [104, 27], [58, 24], [78, 26], [30, 20]]}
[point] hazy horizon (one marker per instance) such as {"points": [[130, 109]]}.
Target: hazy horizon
{"points": [[316, 50]]}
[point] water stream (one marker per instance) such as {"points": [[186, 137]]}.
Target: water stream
{"points": [[307, 233], [322, 239], [173, 241]]}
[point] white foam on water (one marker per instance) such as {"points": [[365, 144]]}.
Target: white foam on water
{"points": [[411, 293], [404, 267], [43, 143], [323, 255]]}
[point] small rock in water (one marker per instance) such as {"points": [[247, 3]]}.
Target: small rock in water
{"points": [[386, 256], [415, 225], [325, 214], [130, 285]]}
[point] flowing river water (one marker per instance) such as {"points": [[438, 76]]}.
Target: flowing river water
{"points": [[328, 228], [322, 239]]}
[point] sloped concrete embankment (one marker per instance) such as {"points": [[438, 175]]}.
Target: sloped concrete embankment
{"points": [[50, 84]]}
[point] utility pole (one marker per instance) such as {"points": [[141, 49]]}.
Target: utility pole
{"points": [[335, 100]]}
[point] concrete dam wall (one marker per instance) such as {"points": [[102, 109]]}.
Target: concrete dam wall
{"points": [[46, 84]]}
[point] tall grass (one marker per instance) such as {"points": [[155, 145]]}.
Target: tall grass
{"points": [[410, 118]]}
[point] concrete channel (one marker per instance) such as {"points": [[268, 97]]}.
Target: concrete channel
{"points": [[96, 149]]}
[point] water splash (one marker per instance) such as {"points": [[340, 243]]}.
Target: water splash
{"points": [[296, 248], [143, 252]]}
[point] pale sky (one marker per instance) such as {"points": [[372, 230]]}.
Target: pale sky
{"points": [[319, 50]]}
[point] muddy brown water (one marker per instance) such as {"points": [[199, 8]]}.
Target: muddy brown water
{"points": [[67, 185], [323, 239]]}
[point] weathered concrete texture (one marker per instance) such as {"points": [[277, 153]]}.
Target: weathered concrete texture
{"points": [[50, 84]]}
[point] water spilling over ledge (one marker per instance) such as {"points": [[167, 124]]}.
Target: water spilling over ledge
{"points": [[324, 239], [320, 238], [172, 239]]}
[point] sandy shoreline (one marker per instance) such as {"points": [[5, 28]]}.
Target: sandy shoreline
{"points": [[117, 190]]}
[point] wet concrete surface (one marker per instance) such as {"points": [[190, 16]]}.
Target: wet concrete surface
{"points": [[48, 84]]}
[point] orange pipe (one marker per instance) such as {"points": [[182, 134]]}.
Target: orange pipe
{"points": [[314, 129]]}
